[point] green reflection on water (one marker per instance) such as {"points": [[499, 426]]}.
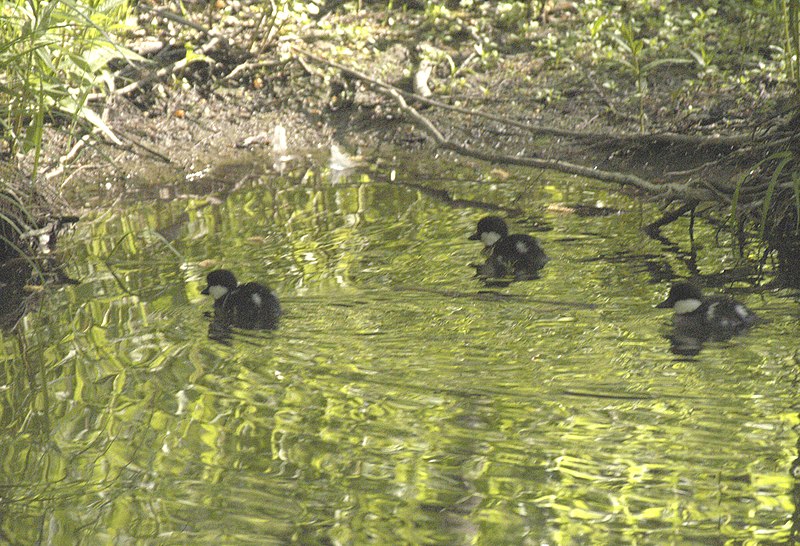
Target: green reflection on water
{"points": [[399, 401]]}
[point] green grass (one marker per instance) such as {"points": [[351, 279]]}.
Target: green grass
{"points": [[53, 55]]}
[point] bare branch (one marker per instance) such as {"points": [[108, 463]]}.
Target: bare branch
{"points": [[652, 138], [666, 190]]}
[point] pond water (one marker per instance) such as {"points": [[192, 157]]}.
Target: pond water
{"points": [[400, 401]]}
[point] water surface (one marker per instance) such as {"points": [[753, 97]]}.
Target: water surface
{"points": [[400, 400]]}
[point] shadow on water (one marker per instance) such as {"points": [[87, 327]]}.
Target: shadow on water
{"points": [[14, 277], [21, 282], [400, 400]]}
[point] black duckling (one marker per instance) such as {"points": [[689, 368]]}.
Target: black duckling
{"points": [[250, 305], [712, 317], [518, 256]]}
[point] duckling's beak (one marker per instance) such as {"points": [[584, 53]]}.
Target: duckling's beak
{"points": [[204, 291], [664, 305], [474, 237]]}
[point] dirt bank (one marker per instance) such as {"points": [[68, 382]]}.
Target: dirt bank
{"points": [[229, 104]]}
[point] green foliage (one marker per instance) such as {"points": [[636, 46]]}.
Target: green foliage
{"points": [[771, 190], [277, 16], [511, 16], [53, 55], [791, 18], [634, 55]]}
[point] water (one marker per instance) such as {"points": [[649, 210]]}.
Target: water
{"points": [[400, 401]]}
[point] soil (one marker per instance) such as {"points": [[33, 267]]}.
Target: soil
{"points": [[201, 116]]}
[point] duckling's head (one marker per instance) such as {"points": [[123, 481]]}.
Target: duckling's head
{"points": [[684, 297], [490, 230], [220, 283]]}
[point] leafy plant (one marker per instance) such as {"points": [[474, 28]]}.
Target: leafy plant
{"points": [[791, 19], [777, 178], [53, 56], [634, 50]]}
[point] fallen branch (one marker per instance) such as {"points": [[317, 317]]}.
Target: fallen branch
{"points": [[666, 190], [653, 139]]}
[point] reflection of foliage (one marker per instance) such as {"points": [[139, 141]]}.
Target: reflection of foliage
{"points": [[377, 413], [26, 211], [15, 221]]}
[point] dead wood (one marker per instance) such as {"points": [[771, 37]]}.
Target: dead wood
{"points": [[665, 190]]}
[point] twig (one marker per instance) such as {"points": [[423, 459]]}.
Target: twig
{"points": [[666, 190], [66, 158], [471, 57], [169, 69], [163, 158], [251, 64], [166, 14], [653, 138]]}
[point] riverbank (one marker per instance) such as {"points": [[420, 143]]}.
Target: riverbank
{"points": [[545, 73], [668, 104]]}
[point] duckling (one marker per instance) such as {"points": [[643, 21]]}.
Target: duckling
{"points": [[250, 305], [518, 256], [490, 230], [714, 317]]}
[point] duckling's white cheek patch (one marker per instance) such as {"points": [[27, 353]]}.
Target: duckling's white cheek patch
{"points": [[217, 291], [522, 248], [257, 300], [490, 237], [683, 307]]}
